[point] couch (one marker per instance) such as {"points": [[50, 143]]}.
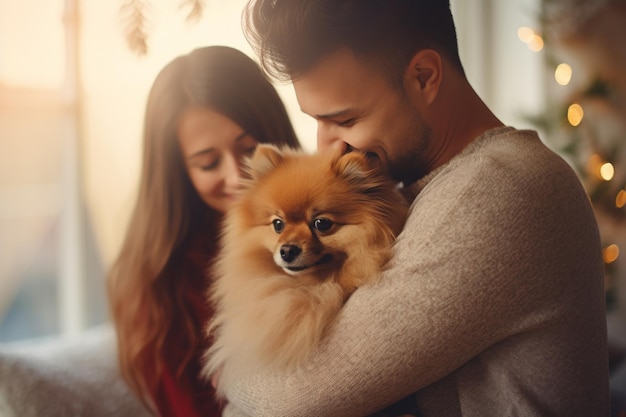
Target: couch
{"points": [[65, 377]]}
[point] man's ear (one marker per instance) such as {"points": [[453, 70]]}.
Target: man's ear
{"points": [[424, 74]]}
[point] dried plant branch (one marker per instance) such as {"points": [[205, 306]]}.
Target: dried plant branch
{"points": [[133, 15], [196, 9]]}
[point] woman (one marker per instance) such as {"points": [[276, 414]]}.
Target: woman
{"points": [[205, 112]]}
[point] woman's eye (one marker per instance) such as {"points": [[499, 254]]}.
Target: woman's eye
{"points": [[322, 224], [211, 166], [245, 147], [278, 224], [206, 162], [247, 143]]}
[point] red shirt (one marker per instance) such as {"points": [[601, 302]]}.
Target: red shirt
{"points": [[195, 397]]}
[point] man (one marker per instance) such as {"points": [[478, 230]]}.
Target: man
{"points": [[493, 304]]}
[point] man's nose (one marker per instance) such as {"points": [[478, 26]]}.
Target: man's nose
{"points": [[328, 139]]}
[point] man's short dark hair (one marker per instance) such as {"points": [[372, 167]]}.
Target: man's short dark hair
{"points": [[292, 36]]}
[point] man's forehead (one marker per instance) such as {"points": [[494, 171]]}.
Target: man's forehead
{"points": [[332, 84]]}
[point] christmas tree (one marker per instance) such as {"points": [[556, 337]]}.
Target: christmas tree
{"points": [[585, 117]]}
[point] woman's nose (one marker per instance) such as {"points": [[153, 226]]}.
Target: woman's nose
{"points": [[232, 171]]}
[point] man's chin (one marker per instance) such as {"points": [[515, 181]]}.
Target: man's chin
{"points": [[405, 175]]}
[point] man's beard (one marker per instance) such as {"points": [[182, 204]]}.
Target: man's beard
{"points": [[412, 164]]}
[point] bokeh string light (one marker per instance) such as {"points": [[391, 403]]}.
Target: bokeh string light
{"points": [[607, 171], [610, 253], [563, 74], [620, 200], [531, 38], [575, 114], [601, 170]]}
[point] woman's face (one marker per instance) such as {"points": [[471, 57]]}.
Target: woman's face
{"points": [[213, 147]]}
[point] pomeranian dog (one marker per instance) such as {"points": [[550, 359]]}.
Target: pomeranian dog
{"points": [[307, 230]]}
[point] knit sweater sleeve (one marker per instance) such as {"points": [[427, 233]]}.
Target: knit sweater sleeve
{"points": [[486, 254]]}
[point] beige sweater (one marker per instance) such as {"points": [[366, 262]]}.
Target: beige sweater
{"points": [[492, 306]]}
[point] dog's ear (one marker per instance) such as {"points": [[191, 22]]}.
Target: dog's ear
{"points": [[357, 167], [266, 157]]}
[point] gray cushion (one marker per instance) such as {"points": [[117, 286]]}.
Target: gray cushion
{"points": [[77, 377]]}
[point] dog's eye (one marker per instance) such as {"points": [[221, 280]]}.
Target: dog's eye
{"points": [[278, 224], [322, 224]]}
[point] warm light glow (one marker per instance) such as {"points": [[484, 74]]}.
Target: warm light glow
{"points": [[530, 38], [607, 171], [536, 43], [575, 114], [594, 163], [563, 74], [32, 45], [525, 34], [610, 254], [620, 200]]}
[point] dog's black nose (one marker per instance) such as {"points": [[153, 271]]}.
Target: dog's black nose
{"points": [[289, 252]]}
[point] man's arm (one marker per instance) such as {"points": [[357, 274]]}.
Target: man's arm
{"points": [[484, 255]]}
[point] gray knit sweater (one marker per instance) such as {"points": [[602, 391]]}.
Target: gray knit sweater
{"points": [[492, 306]]}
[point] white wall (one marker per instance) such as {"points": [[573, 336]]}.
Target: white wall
{"points": [[503, 70]]}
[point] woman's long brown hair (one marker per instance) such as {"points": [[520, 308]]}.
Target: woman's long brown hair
{"points": [[143, 299]]}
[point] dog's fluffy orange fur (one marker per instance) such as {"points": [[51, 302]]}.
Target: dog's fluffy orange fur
{"points": [[305, 233]]}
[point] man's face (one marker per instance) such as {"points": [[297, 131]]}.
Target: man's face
{"points": [[356, 107]]}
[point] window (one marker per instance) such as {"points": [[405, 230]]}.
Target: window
{"points": [[43, 239]]}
